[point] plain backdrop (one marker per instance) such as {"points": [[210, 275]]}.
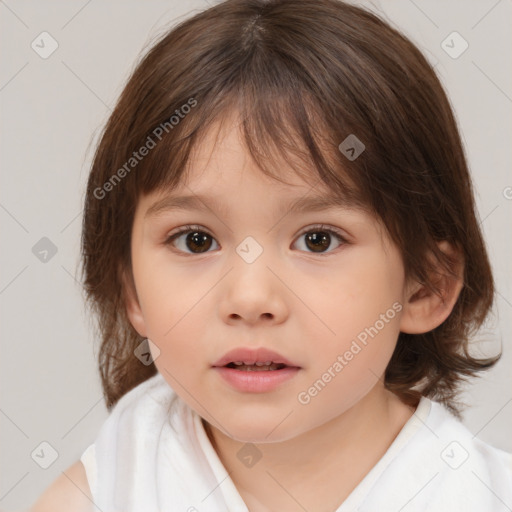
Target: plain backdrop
{"points": [[52, 111]]}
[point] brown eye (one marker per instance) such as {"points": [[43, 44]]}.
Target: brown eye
{"points": [[198, 241], [191, 241], [319, 240]]}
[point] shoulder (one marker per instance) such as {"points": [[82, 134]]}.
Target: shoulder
{"points": [[460, 462], [70, 491], [127, 436], [458, 444], [441, 466]]}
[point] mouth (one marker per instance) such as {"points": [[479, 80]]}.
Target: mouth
{"points": [[254, 360], [266, 366], [257, 370]]}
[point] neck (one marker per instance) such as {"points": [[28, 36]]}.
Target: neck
{"points": [[321, 466]]}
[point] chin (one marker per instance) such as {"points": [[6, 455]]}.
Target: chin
{"points": [[258, 429]]}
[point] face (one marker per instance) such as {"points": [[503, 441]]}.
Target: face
{"points": [[241, 278]]}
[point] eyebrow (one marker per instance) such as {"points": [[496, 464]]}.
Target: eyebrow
{"points": [[203, 203]]}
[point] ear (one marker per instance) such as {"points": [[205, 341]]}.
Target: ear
{"points": [[425, 310], [133, 309]]}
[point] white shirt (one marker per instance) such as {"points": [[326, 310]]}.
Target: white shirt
{"points": [[152, 454]]}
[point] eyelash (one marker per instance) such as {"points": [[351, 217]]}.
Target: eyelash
{"points": [[319, 227]]}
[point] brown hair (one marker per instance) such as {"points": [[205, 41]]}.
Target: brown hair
{"points": [[304, 75]]}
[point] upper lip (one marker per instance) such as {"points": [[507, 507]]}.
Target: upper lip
{"points": [[251, 356]]}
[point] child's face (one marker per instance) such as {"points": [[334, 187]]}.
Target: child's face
{"points": [[333, 314]]}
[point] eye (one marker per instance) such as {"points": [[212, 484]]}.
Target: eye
{"points": [[196, 240], [319, 238]]}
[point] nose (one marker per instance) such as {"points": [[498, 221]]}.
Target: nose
{"points": [[252, 293]]}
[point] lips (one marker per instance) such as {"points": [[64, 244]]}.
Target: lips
{"points": [[251, 359], [250, 370]]}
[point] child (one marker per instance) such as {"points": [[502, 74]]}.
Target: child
{"points": [[280, 243]]}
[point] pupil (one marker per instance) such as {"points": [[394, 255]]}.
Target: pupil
{"points": [[198, 240], [320, 241]]}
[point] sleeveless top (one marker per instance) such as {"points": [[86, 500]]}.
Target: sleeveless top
{"points": [[152, 454]]}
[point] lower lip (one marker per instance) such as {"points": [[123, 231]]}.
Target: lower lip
{"points": [[257, 381]]}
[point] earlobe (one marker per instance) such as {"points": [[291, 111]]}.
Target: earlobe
{"points": [[424, 310], [133, 309]]}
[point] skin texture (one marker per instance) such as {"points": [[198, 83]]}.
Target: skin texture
{"points": [[307, 306]]}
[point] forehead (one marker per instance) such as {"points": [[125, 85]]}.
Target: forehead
{"points": [[223, 146], [225, 174], [221, 155], [221, 171]]}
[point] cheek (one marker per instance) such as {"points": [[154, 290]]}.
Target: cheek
{"points": [[170, 295], [361, 306], [176, 305], [353, 296], [182, 360], [346, 374]]}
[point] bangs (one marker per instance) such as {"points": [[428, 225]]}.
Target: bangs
{"points": [[282, 132]]}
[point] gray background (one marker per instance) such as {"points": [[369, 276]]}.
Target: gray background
{"points": [[52, 111]]}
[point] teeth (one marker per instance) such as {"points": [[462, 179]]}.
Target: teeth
{"points": [[257, 366], [252, 363], [260, 367]]}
